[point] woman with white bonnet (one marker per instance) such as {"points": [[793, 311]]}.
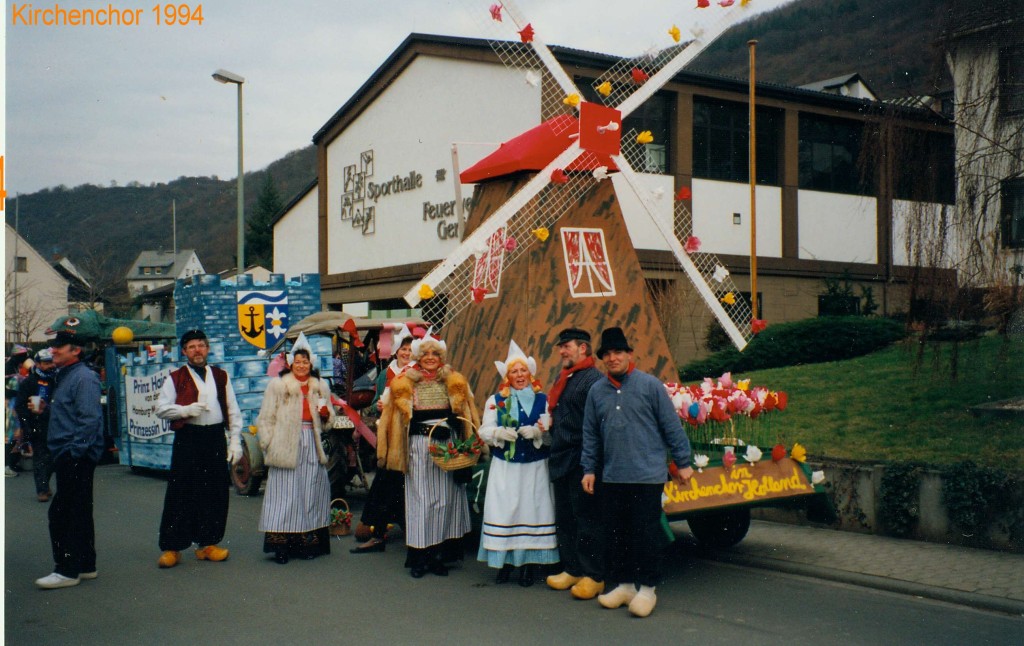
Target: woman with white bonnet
{"points": [[296, 506], [519, 512]]}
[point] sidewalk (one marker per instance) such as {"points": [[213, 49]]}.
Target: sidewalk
{"points": [[978, 578]]}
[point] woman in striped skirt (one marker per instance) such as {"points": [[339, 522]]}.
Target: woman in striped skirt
{"points": [[296, 505], [436, 509]]}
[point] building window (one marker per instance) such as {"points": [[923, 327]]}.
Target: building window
{"points": [[925, 171], [158, 270], [1011, 80], [829, 154], [721, 141], [21, 264], [1013, 213], [146, 270], [656, 115]]}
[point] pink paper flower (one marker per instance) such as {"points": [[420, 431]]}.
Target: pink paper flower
{"points": [[692, 244]]}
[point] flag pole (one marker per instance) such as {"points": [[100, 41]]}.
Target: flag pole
{"points": [[752, 44]]}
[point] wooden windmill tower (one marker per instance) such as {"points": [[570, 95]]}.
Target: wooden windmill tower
{"points": [[547, 244]]}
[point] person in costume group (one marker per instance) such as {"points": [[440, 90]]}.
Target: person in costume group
{"points": [[628, 424], [200, 402], [436, 508], [519, 510], [385, 503], [580, 535], [75, 438], [32, 405], [296, 506]]}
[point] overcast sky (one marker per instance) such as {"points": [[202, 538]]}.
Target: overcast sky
{"points": [[95, 104]]}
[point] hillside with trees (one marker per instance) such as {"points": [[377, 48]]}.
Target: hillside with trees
{"points": [[102, 229]]}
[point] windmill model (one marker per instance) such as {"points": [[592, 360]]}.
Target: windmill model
{"points": [[588, 148]]}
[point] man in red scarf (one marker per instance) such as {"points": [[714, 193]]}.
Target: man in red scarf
{"points": [[629, 428], [580, 536]]}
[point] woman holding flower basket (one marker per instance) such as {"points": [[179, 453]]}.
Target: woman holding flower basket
{"points": [[519, 511], [296, 506], [429, 410]]}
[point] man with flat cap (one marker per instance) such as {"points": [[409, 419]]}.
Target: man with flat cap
{"points": [[628, 424], [75, 438], [200, 402], [580, 538]]}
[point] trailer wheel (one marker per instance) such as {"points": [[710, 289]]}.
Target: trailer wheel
{"points": [[243, 475], [720, 529]]}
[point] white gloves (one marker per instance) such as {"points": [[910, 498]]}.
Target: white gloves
{"points": [[193, 410], [530, 432], [506, 434], [234, 449]]}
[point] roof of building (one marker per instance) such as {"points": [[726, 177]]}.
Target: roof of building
{"points": [[460, 47], [968, 18], [836, 82], [172, 263]]}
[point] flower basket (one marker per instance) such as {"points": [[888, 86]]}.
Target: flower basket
{"points": [[456, 453], [341, 518]]}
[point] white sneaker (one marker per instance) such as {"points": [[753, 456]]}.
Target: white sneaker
{"points": [[88, 575], [54, 581], [620, 596], [10, 473]]}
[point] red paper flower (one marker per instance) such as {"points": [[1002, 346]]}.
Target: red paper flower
{"points": [[526, 33], [496, 12], [692, 245], [478, 294], [684, 194], [703, 4], [510, 244], [758, 325], [778, 452], [783, 401], [558, 176], [639, 76]]}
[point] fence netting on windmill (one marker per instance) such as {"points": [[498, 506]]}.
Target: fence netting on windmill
{"points": [[711, 269], [491, 251]]}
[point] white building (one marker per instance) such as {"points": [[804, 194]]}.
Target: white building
{"points": [[387, 204], [35, 293], [157, 268]]}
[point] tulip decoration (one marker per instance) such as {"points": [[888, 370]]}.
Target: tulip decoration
{"points": [[753, 454], [644, 137], [721, 273], [703, 4], [675, 33], [478, 294], [572, 99], [799, 453], [758, 325], [541, 233], [426, 292], [532, 78], [684, 194], [600, 173], [700, 461], [692, 245], [729, 299], [526, 34], [778, 452], [726, 3], [510, 244], [558, 176], [604, 89], [639, 76], [496, 12], [729, 458], [817, 477]]}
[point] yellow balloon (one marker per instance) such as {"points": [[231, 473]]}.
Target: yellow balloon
{"points": [[122, 335]]}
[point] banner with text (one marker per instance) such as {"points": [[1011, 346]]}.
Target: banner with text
{"points": [[141, 395], [737, 485]]}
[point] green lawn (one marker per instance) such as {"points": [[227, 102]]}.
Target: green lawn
{"points": [[904, 404]]}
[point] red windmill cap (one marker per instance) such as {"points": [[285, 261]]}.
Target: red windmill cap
{"points": [[533, 150]]}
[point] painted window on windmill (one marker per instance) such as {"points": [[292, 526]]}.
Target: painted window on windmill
{"points": [[586, 262], [487, 272]]}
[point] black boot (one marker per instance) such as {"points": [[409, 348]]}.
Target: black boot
{"points": [[504, 574], [526, 576]]}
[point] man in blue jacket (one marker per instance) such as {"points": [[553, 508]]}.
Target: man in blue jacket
{"points": [[628, 423], [75, 440]]}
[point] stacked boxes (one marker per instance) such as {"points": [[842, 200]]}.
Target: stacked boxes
{"points": [[209, 304]]}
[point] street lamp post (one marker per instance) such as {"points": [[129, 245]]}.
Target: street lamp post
{"points": [[224, 76]]}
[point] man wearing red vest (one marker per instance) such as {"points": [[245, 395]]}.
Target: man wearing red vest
{"points": [[200, 402]]}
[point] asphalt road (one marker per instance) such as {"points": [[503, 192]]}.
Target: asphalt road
{"points": [[370, 599]]}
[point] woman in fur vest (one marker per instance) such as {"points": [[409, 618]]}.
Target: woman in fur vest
{"points": [[296, 505], [436, 509]]}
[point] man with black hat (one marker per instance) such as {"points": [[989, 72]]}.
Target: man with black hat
{"points": [[628, 423], [200, 402], [75, 440], [580, 535]]}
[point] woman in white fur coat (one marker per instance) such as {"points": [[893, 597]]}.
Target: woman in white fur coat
{"points": [[296, 506]]}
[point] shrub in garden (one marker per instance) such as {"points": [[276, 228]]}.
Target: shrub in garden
{"points": [[814, 340]]}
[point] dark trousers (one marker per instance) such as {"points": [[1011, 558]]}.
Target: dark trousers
{"points": [[42, 465], [636, 540], [581, 542], [385, 503], [196, 503], [72, 535]]}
